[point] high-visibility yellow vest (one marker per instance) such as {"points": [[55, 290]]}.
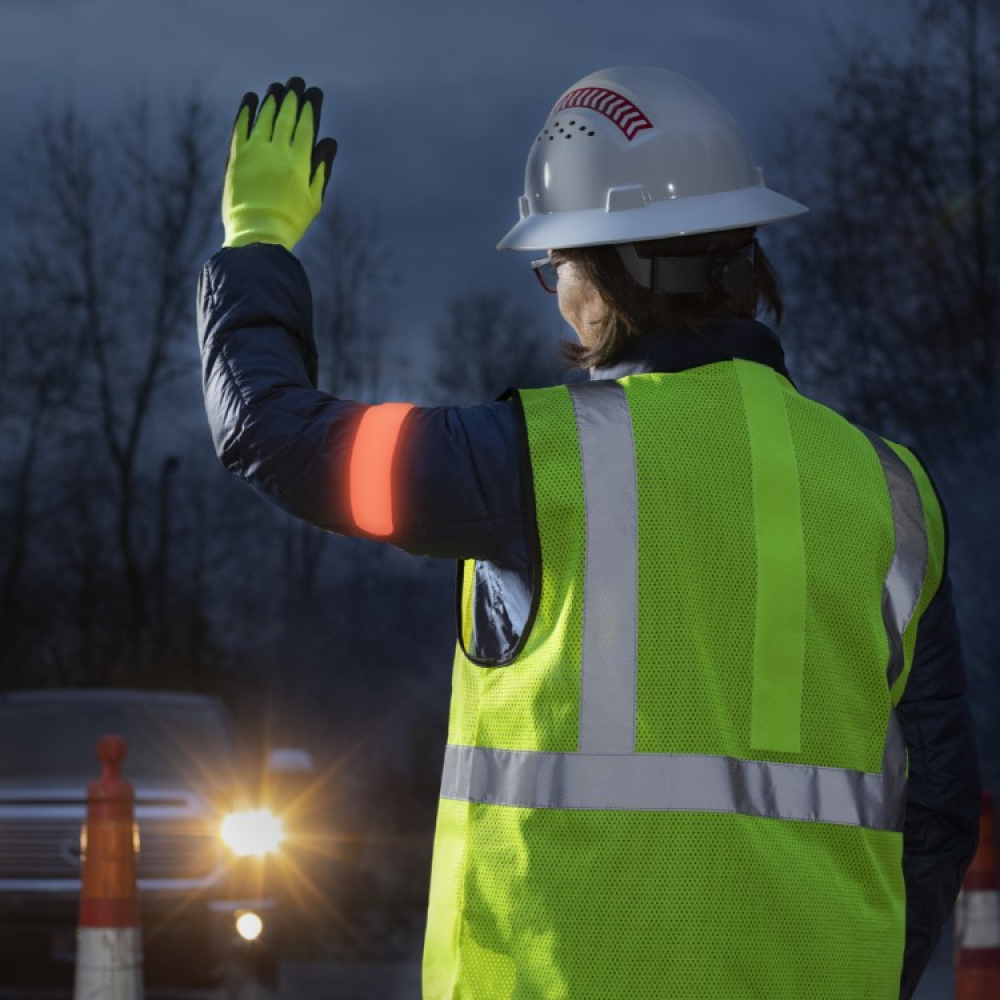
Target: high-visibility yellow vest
{"points": [[689, 782]]}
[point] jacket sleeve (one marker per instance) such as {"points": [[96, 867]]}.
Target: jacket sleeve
{"points": [[944, 789], [455, 471]]}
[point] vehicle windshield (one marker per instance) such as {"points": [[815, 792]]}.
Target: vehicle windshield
{"points": [[166, 740]]}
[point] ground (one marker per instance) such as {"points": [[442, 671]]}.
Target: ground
{"points": [[333, 980]]}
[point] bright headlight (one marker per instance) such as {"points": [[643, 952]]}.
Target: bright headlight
{"points": [[255, 831], [249, 925]]}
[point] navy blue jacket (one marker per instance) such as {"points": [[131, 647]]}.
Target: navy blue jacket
{"points": [[459, 476]]}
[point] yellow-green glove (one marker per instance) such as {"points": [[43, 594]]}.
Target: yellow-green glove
{"points": [[277, 172]]}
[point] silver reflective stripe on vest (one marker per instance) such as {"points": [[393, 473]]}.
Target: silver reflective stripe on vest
{"points": [[894, 773], [608, 675], [900, 595], [905, 578], [669, 783], [607, 774]]}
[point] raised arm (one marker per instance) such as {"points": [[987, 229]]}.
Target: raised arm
{"points": [[443, 481]]}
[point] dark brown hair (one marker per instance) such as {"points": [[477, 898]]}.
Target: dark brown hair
{"points": [[634, 310]]}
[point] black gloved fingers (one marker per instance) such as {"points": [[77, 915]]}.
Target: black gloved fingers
{"points": [[294, 88], [268, 112], [289, 110], [325, 151], [268, 118], [277, 91], [252, 101], [314, 97]]}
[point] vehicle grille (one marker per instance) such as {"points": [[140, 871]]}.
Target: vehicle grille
{"points": [[51, 851], [170, 854], [35, 850]]}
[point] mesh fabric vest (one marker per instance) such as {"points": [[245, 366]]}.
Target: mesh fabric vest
{"points": [[699, 804]]}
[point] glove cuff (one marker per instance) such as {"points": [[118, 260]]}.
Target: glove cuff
{"points": [[241, 232]]}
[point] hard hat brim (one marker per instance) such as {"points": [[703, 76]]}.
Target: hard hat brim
{"points": [[739, 209]]}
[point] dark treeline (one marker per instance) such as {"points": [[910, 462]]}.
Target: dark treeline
{"points": [[893, 280], [128, 557]]}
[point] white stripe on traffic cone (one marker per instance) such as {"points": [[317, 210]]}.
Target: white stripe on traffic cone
{"points": [[109, 941]]}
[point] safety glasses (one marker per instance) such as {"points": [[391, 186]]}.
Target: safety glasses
{"points": [[547, 272]]}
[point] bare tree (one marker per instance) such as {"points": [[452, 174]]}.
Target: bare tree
{"points": [[353, 276], [894, 284], [37, 386], [485, 345], [112, 223], [896, 288]]}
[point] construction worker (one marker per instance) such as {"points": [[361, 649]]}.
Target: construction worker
{"points": [[709, 735]]}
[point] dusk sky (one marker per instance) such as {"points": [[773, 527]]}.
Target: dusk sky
{"points": [[434, 103]]}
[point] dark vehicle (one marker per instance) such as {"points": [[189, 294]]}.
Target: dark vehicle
{"points": [[206, 893]]}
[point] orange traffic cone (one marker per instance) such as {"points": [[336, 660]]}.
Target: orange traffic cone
{"points": [[977, 918], [109, 943]]}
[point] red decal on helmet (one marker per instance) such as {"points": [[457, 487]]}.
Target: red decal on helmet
{"points": [[371, 467], [614, 107]]}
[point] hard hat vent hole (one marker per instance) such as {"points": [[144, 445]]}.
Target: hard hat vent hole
{"points": [[563, 130]]}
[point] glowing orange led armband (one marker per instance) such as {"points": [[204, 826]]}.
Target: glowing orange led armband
{"points": [[371, 467]]}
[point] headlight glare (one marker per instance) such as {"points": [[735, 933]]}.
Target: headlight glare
{"points": [[251, 832], [248, 925]]}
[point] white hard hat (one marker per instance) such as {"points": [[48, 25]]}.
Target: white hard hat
{"points": [[630, 154]]}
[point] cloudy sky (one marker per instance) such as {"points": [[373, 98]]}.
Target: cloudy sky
{"points": [[434, 102]]}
